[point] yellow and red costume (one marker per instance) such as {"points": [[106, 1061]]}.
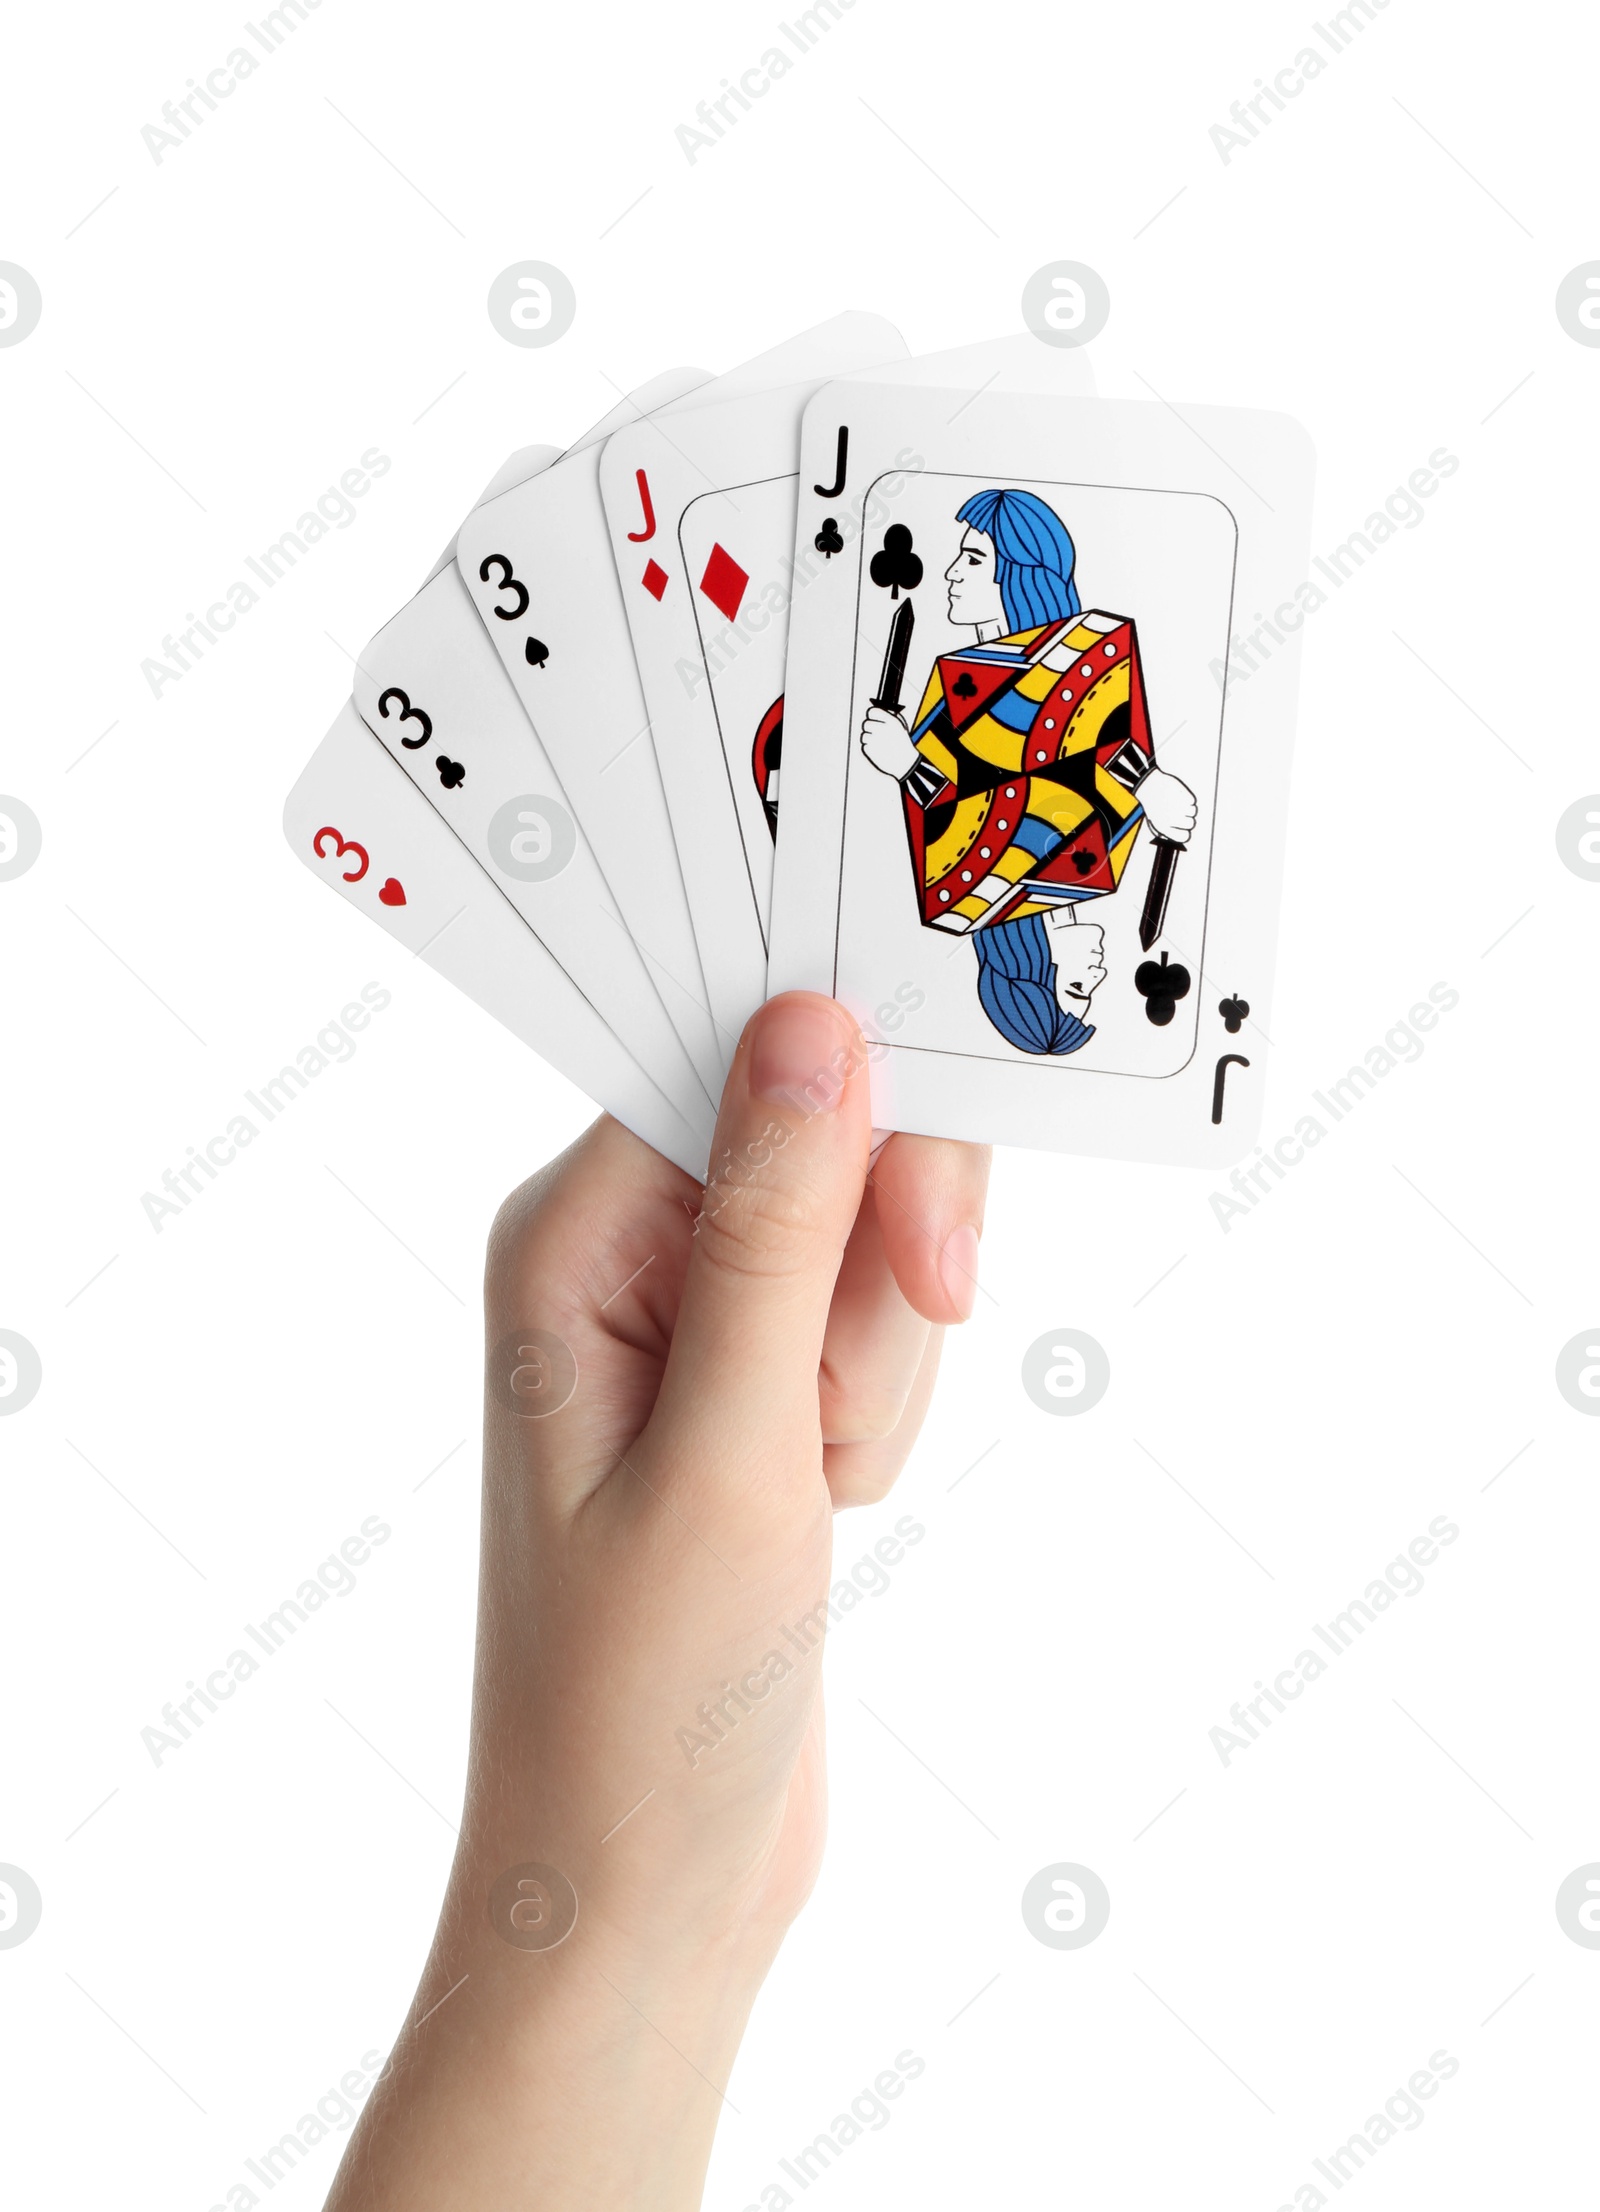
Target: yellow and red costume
{"points": [[1023, 797]]}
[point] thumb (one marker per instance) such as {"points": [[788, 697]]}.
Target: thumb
{"points": [[788, 1167]]}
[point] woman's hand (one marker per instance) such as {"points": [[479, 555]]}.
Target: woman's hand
{"points": [[682, 1388]]}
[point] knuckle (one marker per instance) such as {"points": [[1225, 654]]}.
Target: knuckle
{"points": [[515, 1223], [851, 1485], [761, 1229], [856, 1412], [525, 1230]]}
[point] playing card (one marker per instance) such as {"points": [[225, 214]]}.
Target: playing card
{"points": [[517, 467], [1029, 831], [493, 784], [510, 974], [432, 689], [661, 390], [537, 563], [361, 826], [714, 487]]}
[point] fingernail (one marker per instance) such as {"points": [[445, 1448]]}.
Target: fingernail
{"points": [[958, 1269], [801, 1053]]}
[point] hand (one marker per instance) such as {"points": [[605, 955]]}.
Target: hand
{"points": [[1169, 806], [886, 741], [1079, 950], [655, 1573]]}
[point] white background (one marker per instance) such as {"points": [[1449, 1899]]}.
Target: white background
{"points": [[1291, 1402]]}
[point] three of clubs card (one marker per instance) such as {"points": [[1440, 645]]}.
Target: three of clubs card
{"points": [[904, 681]]}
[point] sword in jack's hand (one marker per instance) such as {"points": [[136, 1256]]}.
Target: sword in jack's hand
{"points": [[894, 659]]}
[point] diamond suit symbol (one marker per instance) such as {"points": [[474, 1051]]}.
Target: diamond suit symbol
{"points": [[723, 582]]}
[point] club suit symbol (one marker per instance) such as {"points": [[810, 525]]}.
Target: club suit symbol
{"points": [[895, 568], [1161, 986], [1235, 1013], [451, 772], [827, 540]]}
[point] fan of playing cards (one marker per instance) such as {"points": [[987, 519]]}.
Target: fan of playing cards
{"points": [[938, 685]]}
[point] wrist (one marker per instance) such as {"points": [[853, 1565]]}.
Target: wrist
{"points": [[590, 2072]]}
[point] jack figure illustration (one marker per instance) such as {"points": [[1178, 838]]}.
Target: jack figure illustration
{"points": [[1028, 772]]}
